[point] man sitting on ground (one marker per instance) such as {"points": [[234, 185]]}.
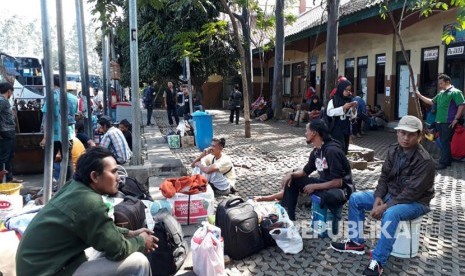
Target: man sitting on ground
{"points": [[113, 139], [217, 167], [76, 218], [334, 184], [405, 188]]}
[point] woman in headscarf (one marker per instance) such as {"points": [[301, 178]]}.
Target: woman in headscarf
{"points": [[341, 109], [314, 108]]}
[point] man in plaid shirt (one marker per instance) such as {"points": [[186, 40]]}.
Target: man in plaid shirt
{"points": [[113, 139]]}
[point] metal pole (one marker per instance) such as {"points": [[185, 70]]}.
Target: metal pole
{"points": [[107, 65], [188, 73], [136, 141], [48, 72], [105, 69], [83, 65], [63, 96]]}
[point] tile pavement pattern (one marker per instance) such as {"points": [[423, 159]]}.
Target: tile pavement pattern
{"points": [[276, 148]]}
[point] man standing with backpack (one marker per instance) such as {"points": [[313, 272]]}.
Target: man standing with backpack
{"points": [[235, 103], [149, 94]]}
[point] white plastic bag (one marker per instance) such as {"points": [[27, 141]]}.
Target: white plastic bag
{"points": [[9, 244], [288, 239], [181, 127], [207, 253]]}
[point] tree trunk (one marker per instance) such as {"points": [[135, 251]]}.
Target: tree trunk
{"points": [[278, 62], [331, 48], [248, 50], [243, 68], [397, 30]]}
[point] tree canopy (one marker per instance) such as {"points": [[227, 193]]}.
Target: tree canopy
{"points": [[169, 31]]}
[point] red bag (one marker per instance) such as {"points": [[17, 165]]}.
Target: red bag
{"points": [[457, 146]]}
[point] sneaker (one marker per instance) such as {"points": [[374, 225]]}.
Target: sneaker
{"points": [[374, 268], [348, 246]]}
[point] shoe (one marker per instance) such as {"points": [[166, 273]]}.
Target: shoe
{"points": [[374, 268], [15, 180], [348, 246], [358, 135], [440, 167], [233, 190]]}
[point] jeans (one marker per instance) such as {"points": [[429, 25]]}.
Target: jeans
{"points": [[149, 114], [360, 202], [231, 116], [7, 151], [445, 137], [171, 110]]}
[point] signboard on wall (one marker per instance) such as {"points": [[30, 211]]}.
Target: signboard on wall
{"points": [[350, 63], [454, 51], [363, 61], [431, 54], [380, 59]]}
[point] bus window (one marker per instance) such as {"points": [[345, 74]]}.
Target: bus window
{"points": [[30, 79]]}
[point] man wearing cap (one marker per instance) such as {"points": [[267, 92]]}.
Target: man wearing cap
{"points": [[334, 182], [405, 188], [450, 104], [113, 139]]}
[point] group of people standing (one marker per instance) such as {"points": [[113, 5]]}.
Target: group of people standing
{"points": [[176, 101]]}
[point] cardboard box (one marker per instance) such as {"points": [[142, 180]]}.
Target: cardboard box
{"points": [[187, 141]]}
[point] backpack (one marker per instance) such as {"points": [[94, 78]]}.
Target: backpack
{"points": [[132, 187], [130, 213], [172, 247], [239, 227]]}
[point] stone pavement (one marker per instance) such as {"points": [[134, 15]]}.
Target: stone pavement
{"points": [[276, 148]]}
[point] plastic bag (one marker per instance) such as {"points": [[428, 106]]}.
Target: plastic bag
{"points": [[208, 251], [288, 239], [10, 243], [181, 127], [283, 216]]}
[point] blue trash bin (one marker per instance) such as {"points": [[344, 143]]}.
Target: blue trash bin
{"points": [[203, 129]]}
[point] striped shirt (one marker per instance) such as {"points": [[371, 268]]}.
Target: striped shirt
{"points": [[114, 141]]}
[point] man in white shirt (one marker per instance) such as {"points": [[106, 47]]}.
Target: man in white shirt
{"points": [[217, 167]]}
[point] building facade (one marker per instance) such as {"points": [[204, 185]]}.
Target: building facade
{"points": [[369, 55]]}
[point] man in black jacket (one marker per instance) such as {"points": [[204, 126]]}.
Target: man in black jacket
{"points": [[405, 188], [149, 94], [235, 104], [334, 184], [170, 103]]}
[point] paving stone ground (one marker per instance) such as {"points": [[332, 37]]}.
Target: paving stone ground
{"points": [[275, 148]]}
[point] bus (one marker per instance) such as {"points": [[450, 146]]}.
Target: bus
{"points": [[30, 79]]}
